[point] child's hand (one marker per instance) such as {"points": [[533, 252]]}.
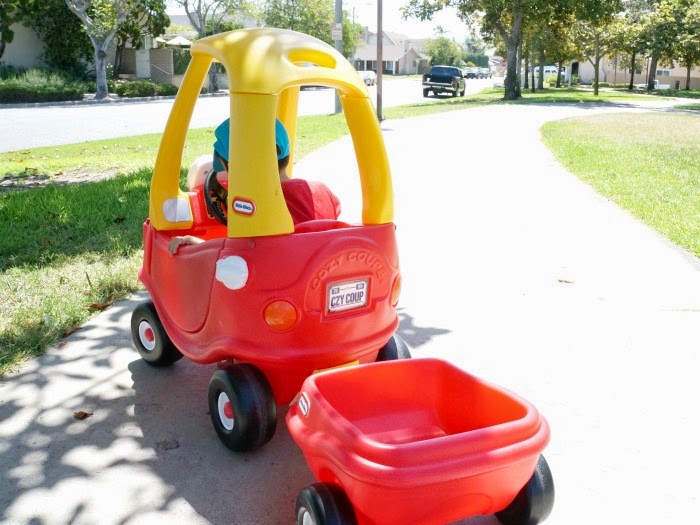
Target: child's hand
{"points": [[178, 241]]}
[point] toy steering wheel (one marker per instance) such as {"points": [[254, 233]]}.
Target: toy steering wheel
{"points": [[213, 188]]}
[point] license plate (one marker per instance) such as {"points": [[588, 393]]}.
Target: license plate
{"points": [[348, 295]]}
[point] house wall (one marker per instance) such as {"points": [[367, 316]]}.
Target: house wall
{"points": [[176, 80], [128, 61], [608, 73], [26, 49], [143, 64], [161, 65], [411, 64]]}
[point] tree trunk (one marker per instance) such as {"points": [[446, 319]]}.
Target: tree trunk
{"points": [[118, 58], [511, 82], [687, 78], [596, 72], [213, 79], [526, 70], [558, 84], [519, 73], [652, 72], [513, 41], [100, 69], [542, 58], [634, 59]]}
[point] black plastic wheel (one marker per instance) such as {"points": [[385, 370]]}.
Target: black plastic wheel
{"points": [[534, 502], [150, 338], [242, 407], [324, 504], [395, 348]]}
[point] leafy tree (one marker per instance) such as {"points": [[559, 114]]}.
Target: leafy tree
{"points": [[627, 35], [474, 45], [661, 31], [101, 19], [352, 35], [443, 50], [595, 34], [66, 45], [564, 49], [313, 17], [476, 59], [688, 44], [499, 19], [9, 14], [223, 27], [208, 15], [146, 17]]}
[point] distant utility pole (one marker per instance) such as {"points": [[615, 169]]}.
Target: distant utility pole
{"points": [[337, 35], [380, 59]]}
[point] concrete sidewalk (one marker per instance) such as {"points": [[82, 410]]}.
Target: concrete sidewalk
{"points": [[513, 270]]}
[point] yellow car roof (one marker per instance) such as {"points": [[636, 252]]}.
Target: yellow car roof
{"points": [[265, 68]]}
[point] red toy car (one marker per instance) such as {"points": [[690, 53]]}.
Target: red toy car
{"points": [[270, 302]]}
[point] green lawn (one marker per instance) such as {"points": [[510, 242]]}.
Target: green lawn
{"points": [[647, 163]]}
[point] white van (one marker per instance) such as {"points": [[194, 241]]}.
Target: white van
{"points": [[551, 71]]}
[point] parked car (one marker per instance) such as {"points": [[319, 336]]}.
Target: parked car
{"points": [[656, 85], [484, 72], [550, 71], [369, 77], [444, 79], [471, 72]]}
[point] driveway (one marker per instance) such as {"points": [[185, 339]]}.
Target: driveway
{"points": [[513, 270]]}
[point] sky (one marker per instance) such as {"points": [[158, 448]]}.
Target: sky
{"points": [[366, 14]]}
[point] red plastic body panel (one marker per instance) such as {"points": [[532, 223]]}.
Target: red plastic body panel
{"points": [[417, 440], [209, 322]]}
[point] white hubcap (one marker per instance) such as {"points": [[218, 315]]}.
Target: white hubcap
{"points": [[225, 411], [146, 335]]}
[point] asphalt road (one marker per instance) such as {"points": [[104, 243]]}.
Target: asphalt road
{"points": [[51, 125]]}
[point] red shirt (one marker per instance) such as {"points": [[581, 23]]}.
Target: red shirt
{"points": [[309, 200]]}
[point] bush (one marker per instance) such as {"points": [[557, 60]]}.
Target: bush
{"points": [[181, 59], [38, 85], [575, 80], [9, 72], [144, 88]]}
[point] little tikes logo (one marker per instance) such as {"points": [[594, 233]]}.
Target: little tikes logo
{"points": [[304, 404], [243, 206]]}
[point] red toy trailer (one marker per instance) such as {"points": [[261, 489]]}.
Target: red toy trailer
{"points": [[418, 441]]}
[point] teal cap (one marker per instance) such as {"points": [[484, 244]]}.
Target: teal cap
{"points": [[221, 145]]}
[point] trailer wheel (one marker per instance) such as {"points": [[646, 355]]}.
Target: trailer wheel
{"points": [[242, 407], [324, 504], [149, 336], [395, 348], [535, 500]]}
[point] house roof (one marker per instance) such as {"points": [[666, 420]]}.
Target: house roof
{"points": [[389, 52]]}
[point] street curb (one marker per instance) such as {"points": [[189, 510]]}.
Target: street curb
{"points": [[87, 102]]}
